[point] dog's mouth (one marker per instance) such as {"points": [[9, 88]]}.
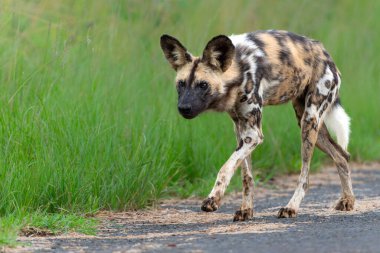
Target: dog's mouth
{"points": [[189, 115]]}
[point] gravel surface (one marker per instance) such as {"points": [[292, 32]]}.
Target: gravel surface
{"points": [[180, 226]]}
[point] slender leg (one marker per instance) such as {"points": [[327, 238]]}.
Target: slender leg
{"points": [[312, 119], [340, 157], [250, 137], [246, 209]]}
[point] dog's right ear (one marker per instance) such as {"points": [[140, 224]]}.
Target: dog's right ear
{"points": [[174, 51]]}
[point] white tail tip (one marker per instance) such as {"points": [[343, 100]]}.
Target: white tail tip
{"points": [[338, 122]]}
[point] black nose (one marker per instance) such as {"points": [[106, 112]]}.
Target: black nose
{"points": [[184, 109]]}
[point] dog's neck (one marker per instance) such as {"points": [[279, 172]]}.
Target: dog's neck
{"points": [[233, 79]]}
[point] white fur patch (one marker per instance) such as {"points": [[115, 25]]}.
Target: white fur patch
{"points": [[243, 40], [338, 122], [328, 76], [265, 84], [311, 111]]}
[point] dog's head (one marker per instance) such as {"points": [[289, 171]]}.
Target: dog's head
{"points": [[199, 80]]}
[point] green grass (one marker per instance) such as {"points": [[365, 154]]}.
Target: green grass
{"points": [[88, 116], [40, 224]]}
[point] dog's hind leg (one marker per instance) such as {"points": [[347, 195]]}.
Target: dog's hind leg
{"points": [[338, 121], [318, 101], [340, 157]]}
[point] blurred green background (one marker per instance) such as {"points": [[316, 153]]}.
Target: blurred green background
{"points": [[88, 116]]}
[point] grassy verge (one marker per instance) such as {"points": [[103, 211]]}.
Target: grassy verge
{"points": [[43, 224], [88, 116]]}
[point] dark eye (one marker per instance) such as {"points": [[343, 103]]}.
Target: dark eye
{"points": [[181, 84], [203, 85]]}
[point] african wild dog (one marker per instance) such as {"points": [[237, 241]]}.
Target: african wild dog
{"points": [[242, 73]]}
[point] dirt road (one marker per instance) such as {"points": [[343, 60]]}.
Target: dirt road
{"points": [[180, 226]]}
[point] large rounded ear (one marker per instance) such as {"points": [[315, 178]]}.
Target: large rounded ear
{"points": [[219, 52], [174, 51]]}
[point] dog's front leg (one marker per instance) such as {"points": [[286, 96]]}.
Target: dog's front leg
{"points": [[250, 137], [246, 209]]}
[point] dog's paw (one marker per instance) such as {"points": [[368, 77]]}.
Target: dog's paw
{"points": [[209, 205], [243, 215], [345, 204], [287, 212]]}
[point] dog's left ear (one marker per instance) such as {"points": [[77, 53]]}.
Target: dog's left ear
{"points": [[219, 52], [174, 51]]}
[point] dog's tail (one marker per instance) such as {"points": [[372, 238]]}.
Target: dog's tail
{"points": [[338, 122]]}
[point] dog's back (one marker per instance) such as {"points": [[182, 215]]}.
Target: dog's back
{"points": [[284, 64]]}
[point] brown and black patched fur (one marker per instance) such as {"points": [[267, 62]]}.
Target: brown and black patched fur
{"points": [[243, 73]]}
